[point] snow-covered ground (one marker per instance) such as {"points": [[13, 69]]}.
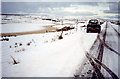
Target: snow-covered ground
{"points": [[59, 58], [22, 27], [44, 55], [41, 54], [13, 24]]}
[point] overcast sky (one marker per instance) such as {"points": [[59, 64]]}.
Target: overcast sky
{"points": [[60, 0], [88, 9]]}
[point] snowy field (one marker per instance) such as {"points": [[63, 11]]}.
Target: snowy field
{"points": [[44, 55], [22, 27], [14, 24]]}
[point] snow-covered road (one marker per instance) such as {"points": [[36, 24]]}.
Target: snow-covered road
{"points": [[110, 59], [102, 52]]}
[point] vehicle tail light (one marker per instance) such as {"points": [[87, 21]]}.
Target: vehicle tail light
{"points": [[87, 28], [98, 28]]}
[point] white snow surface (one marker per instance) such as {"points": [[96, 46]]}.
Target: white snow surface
{"points": [[22, 27], [46, 56], [110, 59]]}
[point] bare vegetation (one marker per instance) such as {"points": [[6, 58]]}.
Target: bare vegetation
{"points": [[14, 61]]}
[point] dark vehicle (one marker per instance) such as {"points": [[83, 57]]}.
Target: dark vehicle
{"points": [[93, 26]]}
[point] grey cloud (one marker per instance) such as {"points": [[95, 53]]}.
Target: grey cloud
{"points": [[29, 7], [84, 14], [60, 1], [64, 13], [53, 8], [114, 8], [87, 3], [116, 16], [32, 7]]}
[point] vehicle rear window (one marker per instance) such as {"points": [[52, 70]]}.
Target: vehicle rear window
{"points": [[93, 21]]}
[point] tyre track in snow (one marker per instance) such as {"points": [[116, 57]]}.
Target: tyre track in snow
{"points": [[107, 46], [86, 67], [100, 49], [100, 56], [97, 73], [100, 42], [95, 65], [110, 48], [116, 31], [101, 45]]}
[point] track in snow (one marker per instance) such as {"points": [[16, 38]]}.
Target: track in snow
{"points": [[100, 56], [100, 50], [97, 73], [97, 50], [116, 31]]}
